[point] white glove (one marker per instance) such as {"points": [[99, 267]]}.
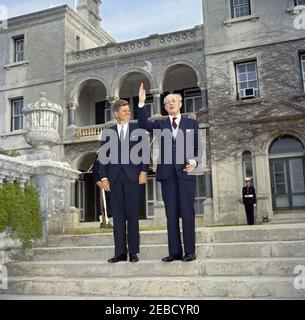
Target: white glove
{"points": [[254, 204]]}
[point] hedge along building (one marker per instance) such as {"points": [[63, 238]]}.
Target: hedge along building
{"points": [[85, 71]]}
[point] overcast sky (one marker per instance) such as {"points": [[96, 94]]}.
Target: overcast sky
{"points": [[128, 19]]}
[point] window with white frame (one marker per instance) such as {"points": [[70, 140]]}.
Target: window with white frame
{"points": [[19, 49], [192, 100], [107, 112], [299, 2], [240, 8], [247, 165], [303, 69], [247, 80], [200, 195], [17, 115], [151, 196]]}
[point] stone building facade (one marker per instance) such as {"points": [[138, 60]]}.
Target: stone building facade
{"points": [[255, 82], [80, 67]]}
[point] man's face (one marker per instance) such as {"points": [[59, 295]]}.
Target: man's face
{"points": [[123, 115], [173, 106], [248, 183]]}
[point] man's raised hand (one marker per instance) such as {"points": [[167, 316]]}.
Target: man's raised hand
{"points": [[142, 95]]}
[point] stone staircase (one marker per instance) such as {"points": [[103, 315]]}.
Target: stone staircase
{"points": [[241, 262]]}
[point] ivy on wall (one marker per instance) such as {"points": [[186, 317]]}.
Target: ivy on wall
{"points": [[20, 212]]}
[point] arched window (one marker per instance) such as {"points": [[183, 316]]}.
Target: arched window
{"points": [[129, 89], [287, 172], [286, 145], [247, 164], [183, 80]]}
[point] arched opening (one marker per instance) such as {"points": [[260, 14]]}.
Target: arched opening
{"points": [[86, 192], [93, 107], [287, 172], [183, 80], [129, 91]]}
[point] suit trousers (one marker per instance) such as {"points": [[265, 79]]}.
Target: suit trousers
{"points": [[125, 198], [179, 196]]}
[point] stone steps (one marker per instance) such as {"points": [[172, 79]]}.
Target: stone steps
{"points": [[259, 233], [146, 238], [153, 268], [156, 252], [240, 262], [216, 235], [191, 287]]}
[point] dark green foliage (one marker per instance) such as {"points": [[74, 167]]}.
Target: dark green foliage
{"points": [[20, 212], [10, 153]]}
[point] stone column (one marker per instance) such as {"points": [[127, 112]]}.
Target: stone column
{"points": [[263, 187], [208, 184], [22, 180], [159, 208], [112, 100], [6, 244], [3, 238], [204, 95], [208, 202], [71, 114], [159, 193], [157, 101], [51, 178]]}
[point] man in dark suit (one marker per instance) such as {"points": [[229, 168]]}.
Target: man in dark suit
{"points": [[249, 200], [123, 179], [177, 179]]}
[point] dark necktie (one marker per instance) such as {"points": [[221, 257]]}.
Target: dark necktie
{"points": [[174, 123]]}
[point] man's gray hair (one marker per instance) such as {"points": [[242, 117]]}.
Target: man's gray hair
{"points": [[171, 95]]}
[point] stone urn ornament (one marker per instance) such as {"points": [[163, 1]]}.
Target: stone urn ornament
{"points": [[42, 123]]}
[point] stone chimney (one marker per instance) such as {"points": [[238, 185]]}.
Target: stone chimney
{"points": [[89, 10]]}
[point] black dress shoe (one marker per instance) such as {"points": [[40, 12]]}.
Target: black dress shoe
{"points": [[189, 257], [133, 257], [172, 257], [121, 257]]}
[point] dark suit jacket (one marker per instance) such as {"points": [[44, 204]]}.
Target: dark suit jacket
{"points": [[164, 170], [112, 170]]}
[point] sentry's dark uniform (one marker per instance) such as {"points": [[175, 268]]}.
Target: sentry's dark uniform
{"points": [[249, 198]]}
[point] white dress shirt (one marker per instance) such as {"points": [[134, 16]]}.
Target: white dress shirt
{"points": [[125, 127], [175, 131], [119, 126]]}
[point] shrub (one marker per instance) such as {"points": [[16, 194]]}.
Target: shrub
{"points": [[20, 212], [10, 153]]}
